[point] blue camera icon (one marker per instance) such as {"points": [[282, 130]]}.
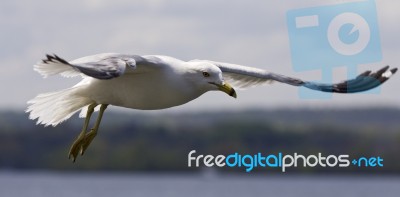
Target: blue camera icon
{"points": [[333, 36]]}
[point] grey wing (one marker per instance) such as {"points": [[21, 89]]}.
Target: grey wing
{"points": [[241, 76], [245, 76], [101, 66]]}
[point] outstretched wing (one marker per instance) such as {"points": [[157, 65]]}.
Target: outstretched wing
{"points": [[363, 82], [243, 76], [101, 66]]}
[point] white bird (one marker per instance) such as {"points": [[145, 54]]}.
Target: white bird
{"points": [[154, 82]]}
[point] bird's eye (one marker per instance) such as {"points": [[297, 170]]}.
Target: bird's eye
{"points": [[206, 74]]}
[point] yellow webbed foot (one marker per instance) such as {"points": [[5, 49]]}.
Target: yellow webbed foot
{"points": [[76, 147], [87, 140], [81, 144]]}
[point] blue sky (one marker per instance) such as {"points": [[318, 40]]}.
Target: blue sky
{"points": [[252, 33]]}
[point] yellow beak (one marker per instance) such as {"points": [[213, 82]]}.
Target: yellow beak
{"points": [[227, 89]]}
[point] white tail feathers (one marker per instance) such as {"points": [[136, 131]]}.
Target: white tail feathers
{"points": [[55, 65], [56, 107]]}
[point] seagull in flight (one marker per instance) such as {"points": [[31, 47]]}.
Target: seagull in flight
{"points": [[154, 82]]}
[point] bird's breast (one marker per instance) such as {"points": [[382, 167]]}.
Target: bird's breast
{"points": [[146, 91]]}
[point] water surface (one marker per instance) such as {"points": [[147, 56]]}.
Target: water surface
{"points": [[51, 184]]}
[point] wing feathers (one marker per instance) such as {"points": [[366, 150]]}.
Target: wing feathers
{"points": [[363, 82], [108, 66], [53, 65], [105, 69], [243, 76], [101, 66]]}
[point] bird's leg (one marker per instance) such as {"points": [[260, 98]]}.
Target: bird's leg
{"points": [[93, 132], [78, 143]]}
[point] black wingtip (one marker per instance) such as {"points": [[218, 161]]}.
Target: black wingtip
{"points": [[382, 70], [366, 73], [54, 58], [394, 70], [363, 82]]}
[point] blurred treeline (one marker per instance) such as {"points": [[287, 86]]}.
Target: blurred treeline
{"points": [[137, 142]]}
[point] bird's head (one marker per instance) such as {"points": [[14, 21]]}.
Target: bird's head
{"points": [[208, 77]]}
